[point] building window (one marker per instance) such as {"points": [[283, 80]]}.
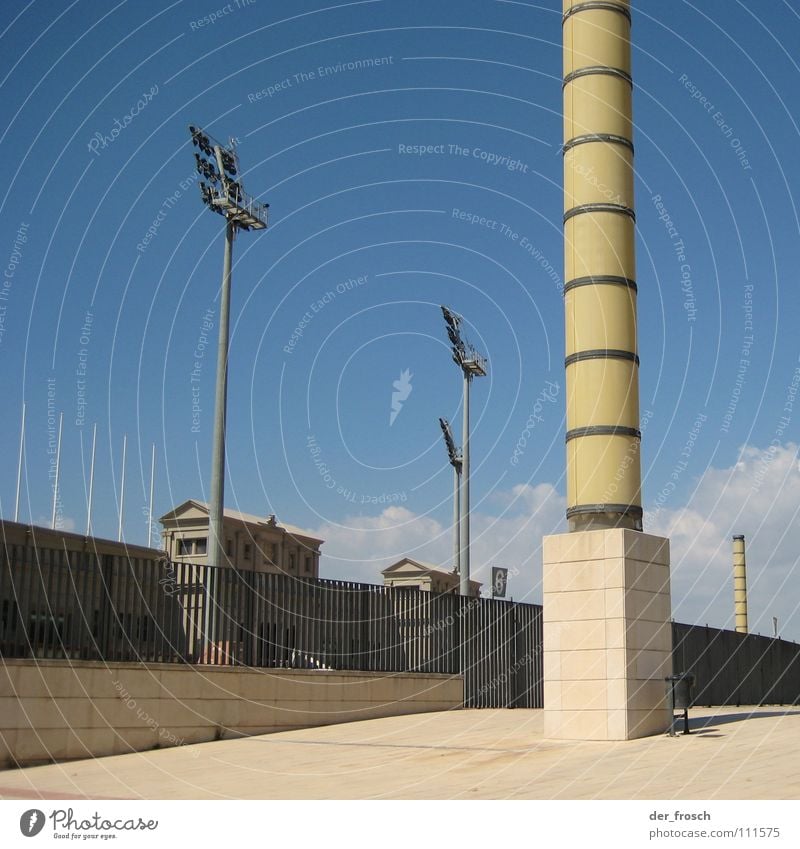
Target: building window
{"points": [[308, 564], [187, 547], [229, 547], [291, 562], [247, 551]]}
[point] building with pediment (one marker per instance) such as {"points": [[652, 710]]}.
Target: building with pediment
{"points": [[252, 543], [416, 574]]}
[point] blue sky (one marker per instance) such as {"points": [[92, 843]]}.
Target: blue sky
{"points": [[105, 229]]}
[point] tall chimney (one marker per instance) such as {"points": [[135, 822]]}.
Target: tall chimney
{"points": [[739, 584], [602, 365]]}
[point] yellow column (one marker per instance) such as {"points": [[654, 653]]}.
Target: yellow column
{"points": [[739, 584], [602, 365]]}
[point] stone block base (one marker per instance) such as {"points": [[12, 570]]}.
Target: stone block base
{"points": [[607, 635]]}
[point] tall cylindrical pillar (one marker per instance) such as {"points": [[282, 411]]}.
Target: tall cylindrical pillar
{"points": [[602, 364], [739, 584]]}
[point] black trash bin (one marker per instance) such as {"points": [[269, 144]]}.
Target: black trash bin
{"points": [[679, 694]]}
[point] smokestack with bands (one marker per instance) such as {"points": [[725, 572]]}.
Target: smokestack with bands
{"points": [[602, 364], [739, 584]]}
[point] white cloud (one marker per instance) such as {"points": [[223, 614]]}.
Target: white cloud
{"points": [[64, 523], [758, 496], [359, 547]]}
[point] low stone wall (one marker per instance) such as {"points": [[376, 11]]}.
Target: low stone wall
{"points": [[55, 710]]}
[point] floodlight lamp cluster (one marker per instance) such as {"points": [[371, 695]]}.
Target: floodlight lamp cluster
{"points": [[218, 166], [452, 452], [464, 354]]}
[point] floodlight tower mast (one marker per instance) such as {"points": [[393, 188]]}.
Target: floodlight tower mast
{"points": [[223, 194], [454, 456], [472, 364]]}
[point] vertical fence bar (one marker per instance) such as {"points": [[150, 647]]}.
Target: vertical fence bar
{"points": [[149, 581], [55, 608], [267, 608], [70, 598], [224, 574], [283, 655], [279, 619], [160, 586], [37, 610], [326, 625], [198, 605], [175, 616], [115, 609], [138, 611], [119, 607], [87, 590]]}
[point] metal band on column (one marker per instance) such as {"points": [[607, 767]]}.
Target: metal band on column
{"points": [[583, 7]]}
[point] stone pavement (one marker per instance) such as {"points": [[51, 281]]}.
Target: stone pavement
{"points": [[733, 753]]}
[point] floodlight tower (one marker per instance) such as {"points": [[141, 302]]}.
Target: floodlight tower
{"points": [[223, 194], [472, 364], [454, 456]]}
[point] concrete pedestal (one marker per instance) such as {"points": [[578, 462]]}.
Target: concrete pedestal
{"points": [[607, 635]]}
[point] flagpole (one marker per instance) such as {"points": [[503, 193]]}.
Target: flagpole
{"points": [[58, 471], [19, 466], [122, 487], [150, 511], [91, 484]]}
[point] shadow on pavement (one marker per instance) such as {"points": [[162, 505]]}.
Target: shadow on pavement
{"points": [[701, 722]]}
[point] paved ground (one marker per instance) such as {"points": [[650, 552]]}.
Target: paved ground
{"points": [[733, 753]]}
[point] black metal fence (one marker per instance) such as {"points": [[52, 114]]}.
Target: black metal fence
{"points": [[59, 604], [737, 669]]}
